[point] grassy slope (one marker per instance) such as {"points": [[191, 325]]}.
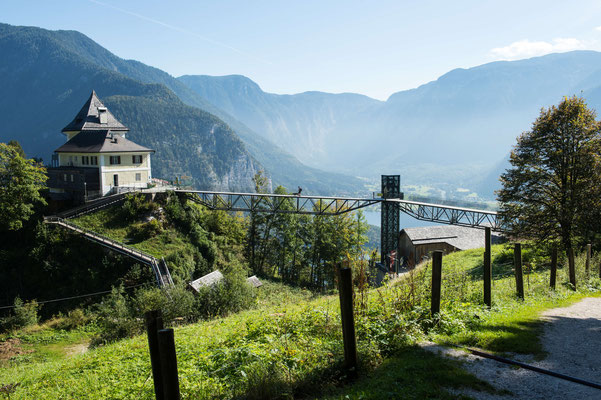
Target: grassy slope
{"points": [[291, 344], [109, 224]]}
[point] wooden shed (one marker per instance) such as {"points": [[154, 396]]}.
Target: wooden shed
{"points": [[416, 244]]}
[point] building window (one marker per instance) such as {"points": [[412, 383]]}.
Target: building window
{"points": [[136, 159], [94, 160], [65, 177], [85, 160], [138, 177], [71, 177], [71, 160], [115, 160]]}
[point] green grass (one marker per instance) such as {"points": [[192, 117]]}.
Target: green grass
{"points": [[290, 345], [412, 373], [511, 325], [107, 222]]}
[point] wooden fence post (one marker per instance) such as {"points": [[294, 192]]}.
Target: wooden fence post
{"points": [[345, 291], [553, 279], [572, 267], [487, 268], [519, 275], [587, 265], [154, 323], [436, 281], [168, 364]]}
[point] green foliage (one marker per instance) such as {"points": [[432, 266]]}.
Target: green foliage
{"points": [[21, 316], [145, 230], [137, 206], [174, 302], [551, 192], [21, 180], [74, 319], [115, 317], [302, 249], [230, 295]]}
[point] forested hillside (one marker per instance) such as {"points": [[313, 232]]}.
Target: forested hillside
{"points": [[47, 75]]}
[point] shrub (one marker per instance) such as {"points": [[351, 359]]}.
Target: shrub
{"points": [[173, 301], [22, 315], [232, 294], [74, 319], [115, 317], [146, 230], [136, 206]]}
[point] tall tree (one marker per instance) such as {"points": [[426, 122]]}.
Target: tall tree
{"points": [[554, 176], [21, 180]]}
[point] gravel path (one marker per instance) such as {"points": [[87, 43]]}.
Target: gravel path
{"points": [[572, 339]]}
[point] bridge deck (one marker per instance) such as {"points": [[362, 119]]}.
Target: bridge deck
{"points": [[320, 205]]}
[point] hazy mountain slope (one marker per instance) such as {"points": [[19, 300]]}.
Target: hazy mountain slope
{"points": [[300, 123], [448, 132], [280, 165], [50, 73], [45, 83]]}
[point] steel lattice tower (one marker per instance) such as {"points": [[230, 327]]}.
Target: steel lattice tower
{"points": [[389, 233]]}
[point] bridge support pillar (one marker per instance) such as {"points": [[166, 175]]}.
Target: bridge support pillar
{"points": [[389, 228]]}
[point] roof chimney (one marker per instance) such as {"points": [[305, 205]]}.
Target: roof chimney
{"points": [[102, 115]]}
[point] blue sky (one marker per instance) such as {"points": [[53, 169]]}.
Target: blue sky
{"points": [[373, 48]]}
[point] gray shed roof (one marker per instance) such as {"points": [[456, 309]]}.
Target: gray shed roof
{"points": [[460, 237], [100, 141], [216, 277], [207, 280], [88, 117]]}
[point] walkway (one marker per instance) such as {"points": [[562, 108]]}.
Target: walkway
{"points": [[571, 338]]}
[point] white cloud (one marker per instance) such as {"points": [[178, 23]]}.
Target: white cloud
{"points": [[526, 48], [598, 28]]}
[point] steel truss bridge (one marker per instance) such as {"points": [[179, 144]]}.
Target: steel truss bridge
{"points": [[391, 202], [324, 205]]}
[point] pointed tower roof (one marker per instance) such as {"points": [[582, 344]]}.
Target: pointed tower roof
{"points": [[93, 116]]}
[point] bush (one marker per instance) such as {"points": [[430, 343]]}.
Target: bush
{"points": [[146, 230], [173, 301], [136, 206], [22, 315], [232, 294], [74, 319], [115, 317]]}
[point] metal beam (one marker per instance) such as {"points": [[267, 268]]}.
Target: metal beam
{"points": [[326, 205], [279, 203], [450, 215]]}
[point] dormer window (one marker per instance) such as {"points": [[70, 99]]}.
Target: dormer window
{"points": [[102, 115]]}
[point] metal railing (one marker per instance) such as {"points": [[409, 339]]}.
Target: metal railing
{"points": [[163, 278]]}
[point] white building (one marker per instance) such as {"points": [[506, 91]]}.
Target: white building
{"points": [[97, 158]]}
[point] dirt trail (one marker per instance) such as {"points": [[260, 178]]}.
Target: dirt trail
{"points": [[572, 339]]}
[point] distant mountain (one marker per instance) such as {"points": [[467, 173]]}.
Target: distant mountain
{"points": [[45, 81], [300, 123], [47, 75], [451, 131]]}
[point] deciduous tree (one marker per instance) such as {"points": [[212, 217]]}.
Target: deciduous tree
{"points": [[21, 180], [553, 181]]}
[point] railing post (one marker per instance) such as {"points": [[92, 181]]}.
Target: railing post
{"points": [[168, 365], [345, 291], [436, 281], [154, 323], [572, 268], [553, 268], [487, 268], [519, 276]]}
